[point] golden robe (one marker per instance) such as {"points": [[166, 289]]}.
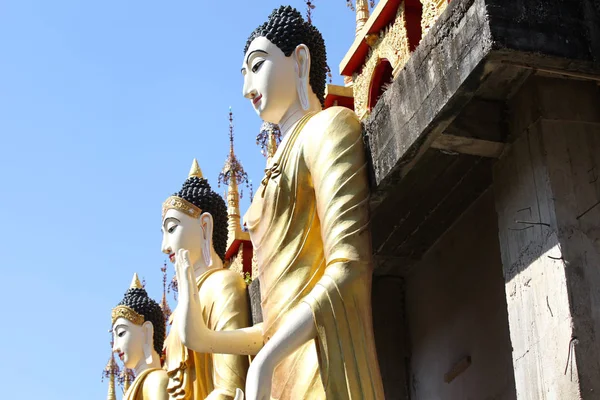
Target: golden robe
{"points": [[140, 390], [310, 231], [195, 376]]}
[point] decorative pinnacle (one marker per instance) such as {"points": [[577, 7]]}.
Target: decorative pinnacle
{"points": [[233, 171], [112, 369], [268, 139], [164, 304], [125, 379], [309, 7], [135, 282], [110, 372], [195, 170], [362, 14]]}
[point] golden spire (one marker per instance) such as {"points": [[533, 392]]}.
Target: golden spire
{"points": [[164, 304], [126, 378], [268, 139], [362, 14], [195, 170], [232, 174], [111, 371], [135, 282]]}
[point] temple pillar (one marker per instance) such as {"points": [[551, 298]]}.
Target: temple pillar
{"points": [[547, 194]]}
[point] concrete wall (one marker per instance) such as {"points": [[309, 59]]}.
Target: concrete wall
{"points": [[456, 308]]}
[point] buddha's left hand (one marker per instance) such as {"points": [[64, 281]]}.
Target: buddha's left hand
{"points": [[298, 329], [259, 378], [189, 320]]}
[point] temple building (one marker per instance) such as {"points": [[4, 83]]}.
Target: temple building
{"points": [[483, 125]]}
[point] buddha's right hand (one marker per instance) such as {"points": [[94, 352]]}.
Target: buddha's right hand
{"points": [[239, 395], [189, 320]]}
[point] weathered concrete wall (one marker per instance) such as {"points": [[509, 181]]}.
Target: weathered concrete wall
{"points": [[456, 308], [548, 205], [471, 43]]}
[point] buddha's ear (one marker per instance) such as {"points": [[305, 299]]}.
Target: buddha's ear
{"points": [[206, 221], [148, 341], [302, 58]]}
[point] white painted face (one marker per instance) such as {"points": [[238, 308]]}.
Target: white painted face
{"points": [[180, 231], [129, 340], [270, 80]]}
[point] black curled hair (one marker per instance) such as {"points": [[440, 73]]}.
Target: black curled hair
{"points": [[138, 300], [198, 192], [286, 29]]}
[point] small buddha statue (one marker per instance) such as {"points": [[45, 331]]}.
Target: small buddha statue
{"points": [[194, 228], [138, 333], [309, 226]]}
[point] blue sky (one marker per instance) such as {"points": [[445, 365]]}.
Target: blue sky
{"points": [[103, 106]]}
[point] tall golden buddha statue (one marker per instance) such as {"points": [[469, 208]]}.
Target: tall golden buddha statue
{"points": [[309, 226], [138, 334], [194, 226]]}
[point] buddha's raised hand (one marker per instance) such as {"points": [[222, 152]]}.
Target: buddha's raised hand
{"points": [[190, 322], [193, 330]]}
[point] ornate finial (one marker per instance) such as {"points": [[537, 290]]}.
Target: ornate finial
{"points": [[232, 174], [309, 7], [110, 372], [268, 139], [232, 170], [126, 377], [164, 304], [230, 130], [362, 14], [195, 170], [135, 282]]}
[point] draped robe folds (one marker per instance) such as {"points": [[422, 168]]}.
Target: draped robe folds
{"points": [[310, 231], [193, 375], [140, 391]]}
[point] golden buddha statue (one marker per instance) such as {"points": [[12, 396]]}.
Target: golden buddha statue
{"points": [[195, 219], [138, 334], [309, 226]]}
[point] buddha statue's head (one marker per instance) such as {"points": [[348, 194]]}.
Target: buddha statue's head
{"points": [[195, 219], [284, 66], [138, 328]]}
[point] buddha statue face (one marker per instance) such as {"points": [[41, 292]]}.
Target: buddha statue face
{"points": [[180, 231], [284, 66], [138, 328], [270, 79], [130, 340], [187, 221]]}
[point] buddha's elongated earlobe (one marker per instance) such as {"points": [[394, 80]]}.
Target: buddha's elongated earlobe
{"points": [[148, 340], [206, 254], [148, 353], [207, 231], [303, 73]]}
